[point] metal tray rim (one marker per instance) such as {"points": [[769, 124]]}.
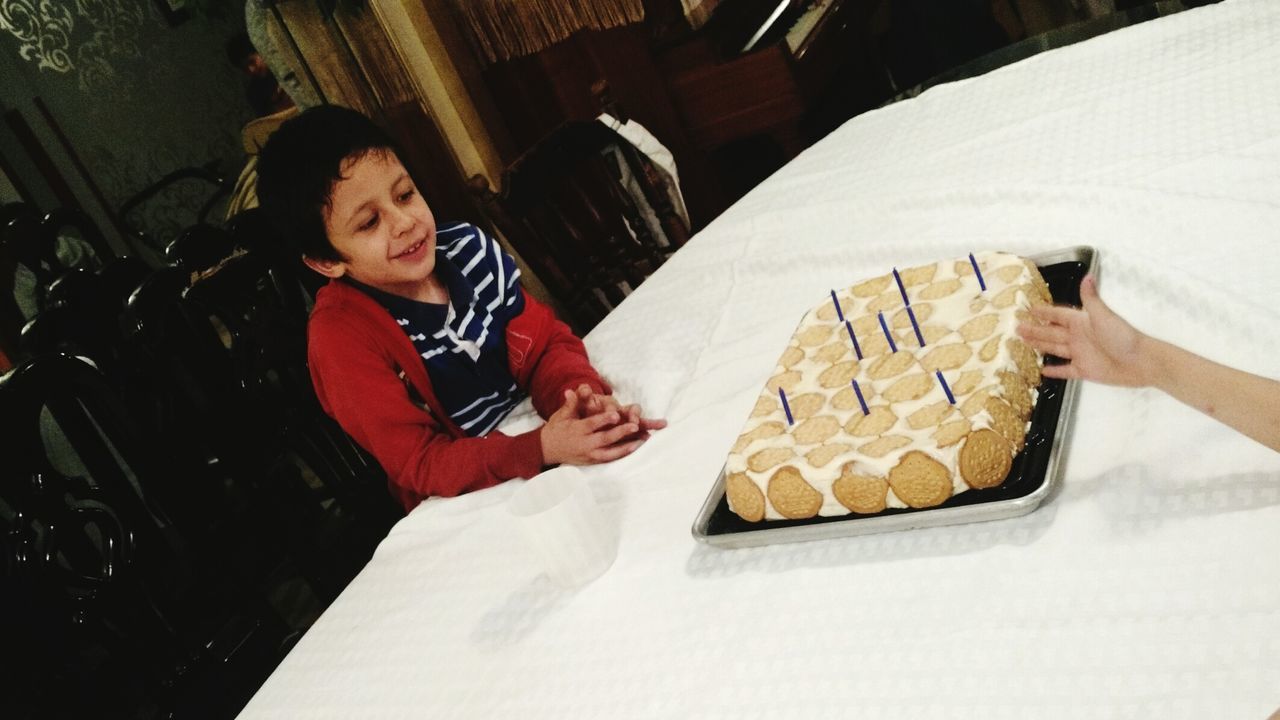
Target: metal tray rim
{"points": [[997, 510]]}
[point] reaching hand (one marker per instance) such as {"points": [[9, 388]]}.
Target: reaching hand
{"points": [[1104, 348], [1100, 345], [590, 403], [572, 439]]}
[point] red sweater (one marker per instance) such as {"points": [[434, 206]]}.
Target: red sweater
{"points": [[370, 379]]}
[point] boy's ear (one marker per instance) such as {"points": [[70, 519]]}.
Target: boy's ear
{"points": [[327, 268]]}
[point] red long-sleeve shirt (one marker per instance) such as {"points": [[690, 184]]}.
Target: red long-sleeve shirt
{"points": [[370, 379]]}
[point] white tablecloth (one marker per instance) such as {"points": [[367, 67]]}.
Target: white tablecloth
{"points": [[1148, 586]]}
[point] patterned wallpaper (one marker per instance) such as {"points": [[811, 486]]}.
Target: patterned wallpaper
{"points": [[135, 97]]}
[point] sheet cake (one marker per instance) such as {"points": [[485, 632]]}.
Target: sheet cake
{"points": [[879, 402]]}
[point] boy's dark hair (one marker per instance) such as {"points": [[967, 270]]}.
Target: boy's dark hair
{"points": [[301, 163], [239, 48]]}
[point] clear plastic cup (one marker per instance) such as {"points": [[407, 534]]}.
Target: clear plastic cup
{"points": [[563, 526]]}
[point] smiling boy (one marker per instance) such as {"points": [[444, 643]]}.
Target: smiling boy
{"points": [[423, 339]]}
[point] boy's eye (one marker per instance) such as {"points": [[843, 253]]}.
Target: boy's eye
{"points": [[368, 224], [407, 194]]}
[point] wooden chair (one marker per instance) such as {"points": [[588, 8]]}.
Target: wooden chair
{"points": [[192, 180], [35, 241], [122, 276], [200, 247], [254, 232], [83, 315], [262, 321], [589, 213], [80, 317], [190, 384], [145, 608], [60, 219], [227, 361], [332, 502], [330, 497], [22, 240]]}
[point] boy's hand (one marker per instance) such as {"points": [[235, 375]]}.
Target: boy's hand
{"points": [[569, 438], [590, 403]]}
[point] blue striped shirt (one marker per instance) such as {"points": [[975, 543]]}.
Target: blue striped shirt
{"points": [[463, 342]]}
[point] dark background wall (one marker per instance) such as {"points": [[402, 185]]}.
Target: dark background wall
{"points": [[136, 92]]}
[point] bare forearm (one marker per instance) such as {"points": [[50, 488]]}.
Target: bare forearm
{"points": [[1248, 403]]}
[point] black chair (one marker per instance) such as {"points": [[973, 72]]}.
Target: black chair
{"points": [[254, 232], [331, 496], [76, 287], [33, 241], [120, 277], [62, 551], [58, 220], [200, 247], [22, 240], [332, 501], [23, 236], [62, 329], [81, 317], [206, 180], [148, 306], [261, 317], [227, 362], [186, 387], [150, 615], [589, 213]]}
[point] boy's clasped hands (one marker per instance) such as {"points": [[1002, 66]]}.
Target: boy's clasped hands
{"points": [[592, 428]]}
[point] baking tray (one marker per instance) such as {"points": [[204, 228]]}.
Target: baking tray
{"points": [[1032, 478]]}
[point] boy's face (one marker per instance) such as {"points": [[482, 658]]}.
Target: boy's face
{"points": [[381, 226]]}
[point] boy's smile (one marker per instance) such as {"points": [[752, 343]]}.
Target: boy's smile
{"points": [[381, 226], [411, 251]]}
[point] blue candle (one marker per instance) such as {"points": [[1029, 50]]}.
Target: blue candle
{"points": [[893, 347], [950, 398], [861, 400], [901, 289], [785, 407], [981, 283], [854, 338], [834, 301], [911, 314]]}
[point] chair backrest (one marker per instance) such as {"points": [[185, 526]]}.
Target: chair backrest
{"points": [[60, 396], [196, 391], [81, 317], [39, 245], [263, 325], [200, 247], [82, 322], [23, 239], [76, 287], [296, 283], [332, 502], [229, 355], [589, 213], [103, 557], [122, 276], [253, 231], [22, 242], [136, 225], [60, 219]]}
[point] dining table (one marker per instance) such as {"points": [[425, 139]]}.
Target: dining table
{"points": [[1145, 585]]}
